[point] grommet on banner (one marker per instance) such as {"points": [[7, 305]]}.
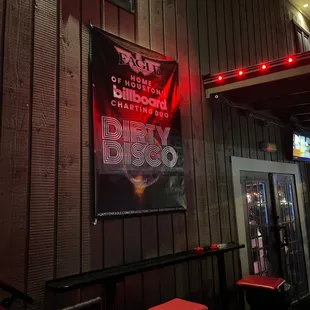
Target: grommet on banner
{"points": [[95, 222]]}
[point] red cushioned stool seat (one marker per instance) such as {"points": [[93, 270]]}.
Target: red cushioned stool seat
{"points": [[179, 304], [268, 283]]}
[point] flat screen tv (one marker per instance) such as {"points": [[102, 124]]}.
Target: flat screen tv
{"points": [[301, 146]]}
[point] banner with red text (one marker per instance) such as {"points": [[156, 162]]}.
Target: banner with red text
{"points": [[138, 151]]}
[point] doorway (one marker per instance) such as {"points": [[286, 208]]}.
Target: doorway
{"points": [[273, 231], [270, 220]]}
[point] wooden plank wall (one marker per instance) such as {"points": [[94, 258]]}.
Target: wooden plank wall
{"points": [[45, 192]]}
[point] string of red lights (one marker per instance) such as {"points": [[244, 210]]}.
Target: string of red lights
{"points": [[263, 67]]}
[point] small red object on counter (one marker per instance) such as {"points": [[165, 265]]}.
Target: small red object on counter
{"points": [[199, 250], [214, 247]]}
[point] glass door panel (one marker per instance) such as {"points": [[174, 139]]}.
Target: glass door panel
{"points": [[258, 223], [291, 243]]}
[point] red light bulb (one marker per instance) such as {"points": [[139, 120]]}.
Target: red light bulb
{"points": [[240, 72], [264, 67], [220, 78], [290, 60]]}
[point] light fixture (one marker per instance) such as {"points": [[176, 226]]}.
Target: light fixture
{"points": [[220, 78], [306, 5], [263, 67], [290, 60], [240, 72]]}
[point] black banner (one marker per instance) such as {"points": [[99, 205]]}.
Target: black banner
{"points": [[138, 151]]}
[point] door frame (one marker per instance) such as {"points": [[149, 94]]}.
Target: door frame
{"points": [[245, 164]]}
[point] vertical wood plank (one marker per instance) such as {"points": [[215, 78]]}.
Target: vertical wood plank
{"points": [[244, 135], [257, 31], [212, 35], [272, 139], [143, 23], [165, 224], [237, 32], [271, 17], [244, 33], [230, 44], [113, 249], [266, 139], [236, 132], [214, 215], [221, 181], [132, 226], [263, 30], [199, 215], [251, 32], [43, 155], [177, 221], [149, 227], [127, 25], [2, 38], [280, 27], [252, 138], [111, 18], [92, 235], [221, 35], [279, 143], [156, 25], [151, 291], [68, 218], [289, 31], [259, 139], [206, 264], [183, 52], [14, 144], [203, 37], [232, 260]]}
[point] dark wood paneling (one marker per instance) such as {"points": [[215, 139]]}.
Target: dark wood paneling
{"points": [[149, 224], [259, 139], [237, 32], [68, 215], [251, 32], [252, 138], [213, 38], [91, 235], [244, 33], [197, 215], [271, 30], [229, 30], [263, 30], [266, 139], [15, 138], [2, 38], [43, 152], [221, 181], [257, 32], [221, 35]]}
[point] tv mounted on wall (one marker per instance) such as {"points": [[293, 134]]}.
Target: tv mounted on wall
{"points": [[301, 146]]}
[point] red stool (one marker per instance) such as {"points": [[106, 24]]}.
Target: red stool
{"points": [[266, 293], [179, 304]]}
